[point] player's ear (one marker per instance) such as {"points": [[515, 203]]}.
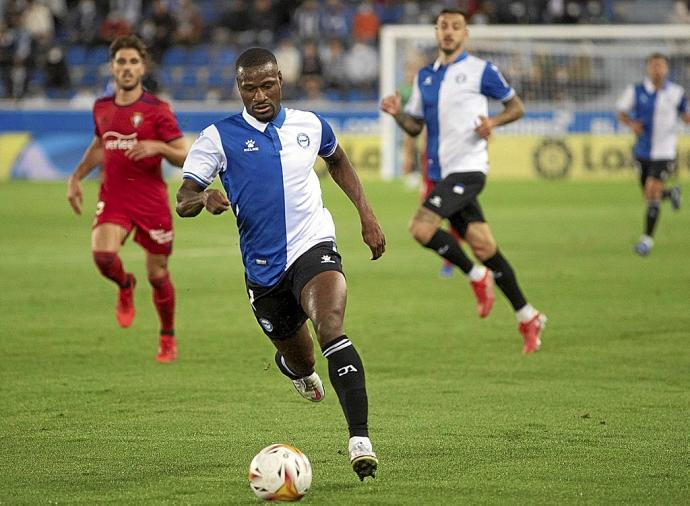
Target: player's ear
{"points": [[280, 78]]}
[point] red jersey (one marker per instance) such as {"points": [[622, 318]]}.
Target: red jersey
{"points": [[133, 184]]}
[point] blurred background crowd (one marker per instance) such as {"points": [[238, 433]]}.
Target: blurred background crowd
{"points": [[327, 49]]}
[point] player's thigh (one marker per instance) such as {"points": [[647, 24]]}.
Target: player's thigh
{"points": [[424, 224], [653, 188], [480, 238], [108, 237], [156, 264]]}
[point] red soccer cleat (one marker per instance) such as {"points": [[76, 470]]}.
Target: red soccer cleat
{"points": [[167, 349], [484, 291], [124, 311], [531, 333]]}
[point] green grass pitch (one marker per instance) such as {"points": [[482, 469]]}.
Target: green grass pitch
{"points": [[457, 414]]}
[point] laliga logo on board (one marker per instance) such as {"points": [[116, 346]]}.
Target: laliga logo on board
{"points": [[116, 140]]}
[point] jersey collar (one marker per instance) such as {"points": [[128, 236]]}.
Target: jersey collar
{"points": [[261, 126], [461, 56], [649, 85]]}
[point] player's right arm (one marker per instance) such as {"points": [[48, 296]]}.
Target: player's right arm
{"points": [[92, 158], [392, 105], [203, 163], [625, 105]]}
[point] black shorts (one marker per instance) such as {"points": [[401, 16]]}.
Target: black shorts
{"points": [[277, 308], [658, 169], [455, 198]]}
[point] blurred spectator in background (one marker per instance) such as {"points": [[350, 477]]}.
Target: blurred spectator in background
{"points": [[56, 72], [83, 23], [290, 63], [365, 24], [334, 72], [681, 12], [129, 9], [263, 23], [15, 55], [335, 20], [115, 25], [38, 21], [234, 24], [362, 68], [190, 25], [311, 64], [307, 20], [158, 29]]}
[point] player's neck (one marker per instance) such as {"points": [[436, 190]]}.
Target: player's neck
{"points": [[447, 59], [127, 97]]}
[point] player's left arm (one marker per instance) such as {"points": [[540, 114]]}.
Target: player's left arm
{"points": [[174, 151], [345, 176], [513, 110]]}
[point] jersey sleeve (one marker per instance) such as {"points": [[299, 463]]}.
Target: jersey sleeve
{"points": [[683, 105], [627, 100], [414, 106], [206, 158], [166, 125], [494, 85], [329, 142], [96, 131]]}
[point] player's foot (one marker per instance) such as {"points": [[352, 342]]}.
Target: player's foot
{"points": [[675, 197], [167, 349], [484, 292], [446, 271], [531, 333], [124, 311], [362, 457], [310, 387], [644, 246]]}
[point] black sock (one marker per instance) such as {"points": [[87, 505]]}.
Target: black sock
{"points": [[346, 372], [445, 245], [283, 367], [666, 194], [506, 280], [652, 217]]}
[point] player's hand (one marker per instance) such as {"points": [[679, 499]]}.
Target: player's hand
{"points": [[144, 149], [484, 126], [636, 127], [74, 194], [373, 237], [216, 202], [392, 104]]}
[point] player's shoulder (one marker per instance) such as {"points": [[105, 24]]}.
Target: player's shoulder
{"points": [[105, 101], [675, 87], [152, 100]]}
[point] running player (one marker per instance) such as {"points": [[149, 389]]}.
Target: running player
{"points": [[265, 160], [133, 131], [651, 109], [450, 99]]}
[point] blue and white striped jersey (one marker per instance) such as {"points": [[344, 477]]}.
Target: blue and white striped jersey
{"points": [[267, 170], [450, 99], [658, 111]]}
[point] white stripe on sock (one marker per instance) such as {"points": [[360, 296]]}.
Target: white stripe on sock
{"points": [[282, 361], [336, 347]]}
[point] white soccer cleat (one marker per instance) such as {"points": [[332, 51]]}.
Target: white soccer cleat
{"points": [[310, 387], [362, 457]]}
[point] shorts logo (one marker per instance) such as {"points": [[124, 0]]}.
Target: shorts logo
{"points": [[250, 145], [427, 81], [303, 140], [100, 206], [326, 259], [267, 325], [161, 236], [435, 201], [137, 119], [459, 189]]}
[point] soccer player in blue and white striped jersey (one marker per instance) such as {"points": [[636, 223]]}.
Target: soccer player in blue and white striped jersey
{"points": [[450, 97], [651, 109], [265, 158]]}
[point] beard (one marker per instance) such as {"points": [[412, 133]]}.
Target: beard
{"points": [[129, 87]]}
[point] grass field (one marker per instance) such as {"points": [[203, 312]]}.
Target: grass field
{"points": [[458, 415]]}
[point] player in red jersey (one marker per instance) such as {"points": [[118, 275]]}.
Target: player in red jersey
{"points": [[134, 130]]}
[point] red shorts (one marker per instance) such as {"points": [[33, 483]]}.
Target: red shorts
{"points": [[154, 230]]}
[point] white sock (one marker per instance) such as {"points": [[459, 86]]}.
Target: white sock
{"points": [[525, 314], [358, 439], [477, 273]]}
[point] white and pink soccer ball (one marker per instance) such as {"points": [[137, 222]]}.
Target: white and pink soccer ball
{"points": [[280, 472]]}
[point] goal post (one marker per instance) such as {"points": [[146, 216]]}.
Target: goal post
{"points": [[569, 78]]}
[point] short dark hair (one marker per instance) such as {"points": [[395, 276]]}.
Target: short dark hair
{"points": [[255, 57], [451, 11], [657, 56], [129, 42]]}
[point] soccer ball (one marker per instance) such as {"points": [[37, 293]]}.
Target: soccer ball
{"points": [[280, 473]]}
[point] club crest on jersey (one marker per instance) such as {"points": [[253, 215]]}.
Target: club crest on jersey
{"points": [[250, 145], [460, 78], [137, 119], [303, 140], [266, 324]]}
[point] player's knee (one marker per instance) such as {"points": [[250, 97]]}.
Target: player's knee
{"points": [[329, 325], [421, 232], [483, 248]]}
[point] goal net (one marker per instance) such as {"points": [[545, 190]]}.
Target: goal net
{"points": [[569, 79]]}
